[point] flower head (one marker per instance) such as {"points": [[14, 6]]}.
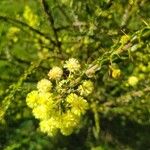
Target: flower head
{"points": [[45, 98], [32, 99], [44, 85], [69, 122], [41, 112], [86, 88], [49, 126], [55, 73], [78, 104], [72, 65], [133, 80]]}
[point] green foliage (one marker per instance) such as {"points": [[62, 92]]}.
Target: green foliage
{"points": [[84, 63]]}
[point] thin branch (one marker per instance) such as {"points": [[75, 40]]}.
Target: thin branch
{"points": [[51, 21], [18, 22]]}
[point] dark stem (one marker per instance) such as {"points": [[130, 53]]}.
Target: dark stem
{"points": [[51, 21], [18, 22]]}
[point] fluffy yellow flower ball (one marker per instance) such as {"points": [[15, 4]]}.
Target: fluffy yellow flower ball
{"points": [[133, 80], [32, 99], [72, 65], [49, 126], [44, 85], [41, 112], [45, 98], [55, 73], [86, 88], [68, 123], [78, 104]]}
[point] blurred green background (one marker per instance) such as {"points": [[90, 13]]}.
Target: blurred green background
{"points": [[86, 29]]}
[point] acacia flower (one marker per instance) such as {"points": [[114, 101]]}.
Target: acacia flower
{"points": [[32, 99], [86, 88], [69, 122], [55, 73], [41, 112], [133, 80], [44, 85], [78, 104], [49, 126], [72, 65]]}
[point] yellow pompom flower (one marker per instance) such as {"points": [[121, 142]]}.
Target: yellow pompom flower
{"points": [[69, 122], [72, 65], [32, 99], [49, 126], [55, 73], [78, 104], [133, 80], [44, 85], [41, 112], [45, 98], [116, 73], [86, 88]]}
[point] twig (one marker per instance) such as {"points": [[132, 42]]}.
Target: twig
{"points": [[51, 21], [18, 22]]}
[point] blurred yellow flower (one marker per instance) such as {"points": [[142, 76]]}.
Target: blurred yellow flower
{"points": [[32, 99], [116, 73], [133, 80], [55, 73], [30, 17], [86, 88]]}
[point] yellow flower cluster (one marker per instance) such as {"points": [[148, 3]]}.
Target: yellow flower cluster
{"points": [[31, 18], [60, 107]]}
